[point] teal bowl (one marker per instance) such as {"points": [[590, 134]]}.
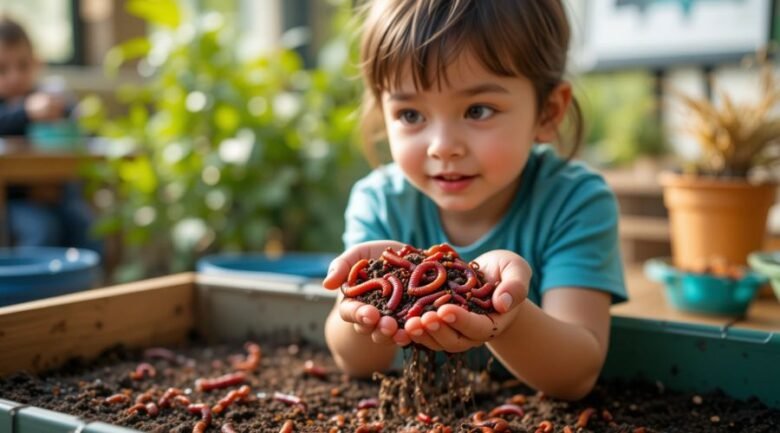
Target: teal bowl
{"points": [[63, 135], [768, 263], [704, 293], [30, 273]]}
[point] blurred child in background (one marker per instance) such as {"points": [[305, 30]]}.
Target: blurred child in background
{"points": [[41, 215]]}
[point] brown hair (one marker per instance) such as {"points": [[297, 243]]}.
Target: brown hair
{"points": [[509, 37], [12, 33]]}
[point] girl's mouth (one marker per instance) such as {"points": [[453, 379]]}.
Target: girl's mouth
{"points": [[453, 182]]}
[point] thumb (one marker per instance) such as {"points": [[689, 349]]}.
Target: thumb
{"points": [[337, 273]]}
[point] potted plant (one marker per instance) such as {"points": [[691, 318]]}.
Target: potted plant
{"points": [[718, 210]]}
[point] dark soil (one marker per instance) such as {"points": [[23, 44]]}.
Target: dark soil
{"points": [[330, 402], [464, 284]]}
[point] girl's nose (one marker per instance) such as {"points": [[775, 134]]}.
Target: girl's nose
{"points": [[446, 144]]}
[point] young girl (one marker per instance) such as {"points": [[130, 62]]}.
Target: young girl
{"points": [[466, 89]]}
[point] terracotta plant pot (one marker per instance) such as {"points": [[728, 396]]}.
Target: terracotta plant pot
{"points": [[715, 220]]}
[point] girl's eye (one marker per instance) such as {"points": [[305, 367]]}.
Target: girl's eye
{"points": [[479, 112], [411, 117]]}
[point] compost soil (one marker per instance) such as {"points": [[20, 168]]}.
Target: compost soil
{"points": [[300, 386]]}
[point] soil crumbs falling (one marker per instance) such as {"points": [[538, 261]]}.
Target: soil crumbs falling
{"points": [[299, 386]]}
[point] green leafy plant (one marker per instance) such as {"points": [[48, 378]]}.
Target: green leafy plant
{"points": [[220, 153], [620, 113]]}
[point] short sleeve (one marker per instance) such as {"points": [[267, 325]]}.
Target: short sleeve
{"points": [[363, 220], [583, 249]]}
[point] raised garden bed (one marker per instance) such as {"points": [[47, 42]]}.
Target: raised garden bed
{"points": [[41, 336]]}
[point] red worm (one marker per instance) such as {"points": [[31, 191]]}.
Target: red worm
{"points": [[225, 381], [205, 416], [368, 403], [200, 427], [582, 420], [407, 249], [355, 271], [507, 409], [146, 396], [227, 428], [459, 299], [143, 369], [373, 427], [397, 292], [485, 304], [443, 300], [149, 408], [444, 248], [287, 427], [436, 257], [168, 395], [252, 359], [484, 291], [471, 277], [418, 306], [424, 418], [367, 286], [544, 427], [312, 369], [417, 275], [227, 400], [116, 398], [161, 353], [395, 260], [289, 399], [182, 400]]}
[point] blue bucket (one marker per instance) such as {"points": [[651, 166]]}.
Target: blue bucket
{"points": [[292, 267], [29, 273], [705, 293]]}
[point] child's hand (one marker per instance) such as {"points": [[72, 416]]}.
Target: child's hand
{"points": [[42, 107], [453, 329], [366, 319]]}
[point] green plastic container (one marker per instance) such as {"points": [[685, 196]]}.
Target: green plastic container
{"points": [[769, 265], [705, 293], [696, 358]]}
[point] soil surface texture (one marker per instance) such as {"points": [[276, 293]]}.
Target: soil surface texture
{"points": [[297, 388]]}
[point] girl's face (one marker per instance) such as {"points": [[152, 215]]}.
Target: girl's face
{"points": [[465, 144]]}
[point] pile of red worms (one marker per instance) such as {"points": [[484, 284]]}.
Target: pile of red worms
{"points": [[407, 282]]}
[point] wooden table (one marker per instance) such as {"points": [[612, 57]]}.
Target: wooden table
{"points": [[22, 164]]}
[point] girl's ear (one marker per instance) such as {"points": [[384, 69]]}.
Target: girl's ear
{"points": [[553, 113]]}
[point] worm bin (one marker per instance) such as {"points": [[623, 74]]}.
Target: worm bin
{"points": [[214, 353]]}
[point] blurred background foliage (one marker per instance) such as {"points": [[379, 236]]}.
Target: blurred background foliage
{"points": [[215, 152], [622, 118]]}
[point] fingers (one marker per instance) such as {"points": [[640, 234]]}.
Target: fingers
{"points": [[359, 313], [473, 326], [340, 266], [384, 331], [430, 331], [451, 340], [416, 332], [513, 274]]}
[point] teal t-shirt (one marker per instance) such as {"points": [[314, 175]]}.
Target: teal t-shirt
{"points": [[563, 222]]}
